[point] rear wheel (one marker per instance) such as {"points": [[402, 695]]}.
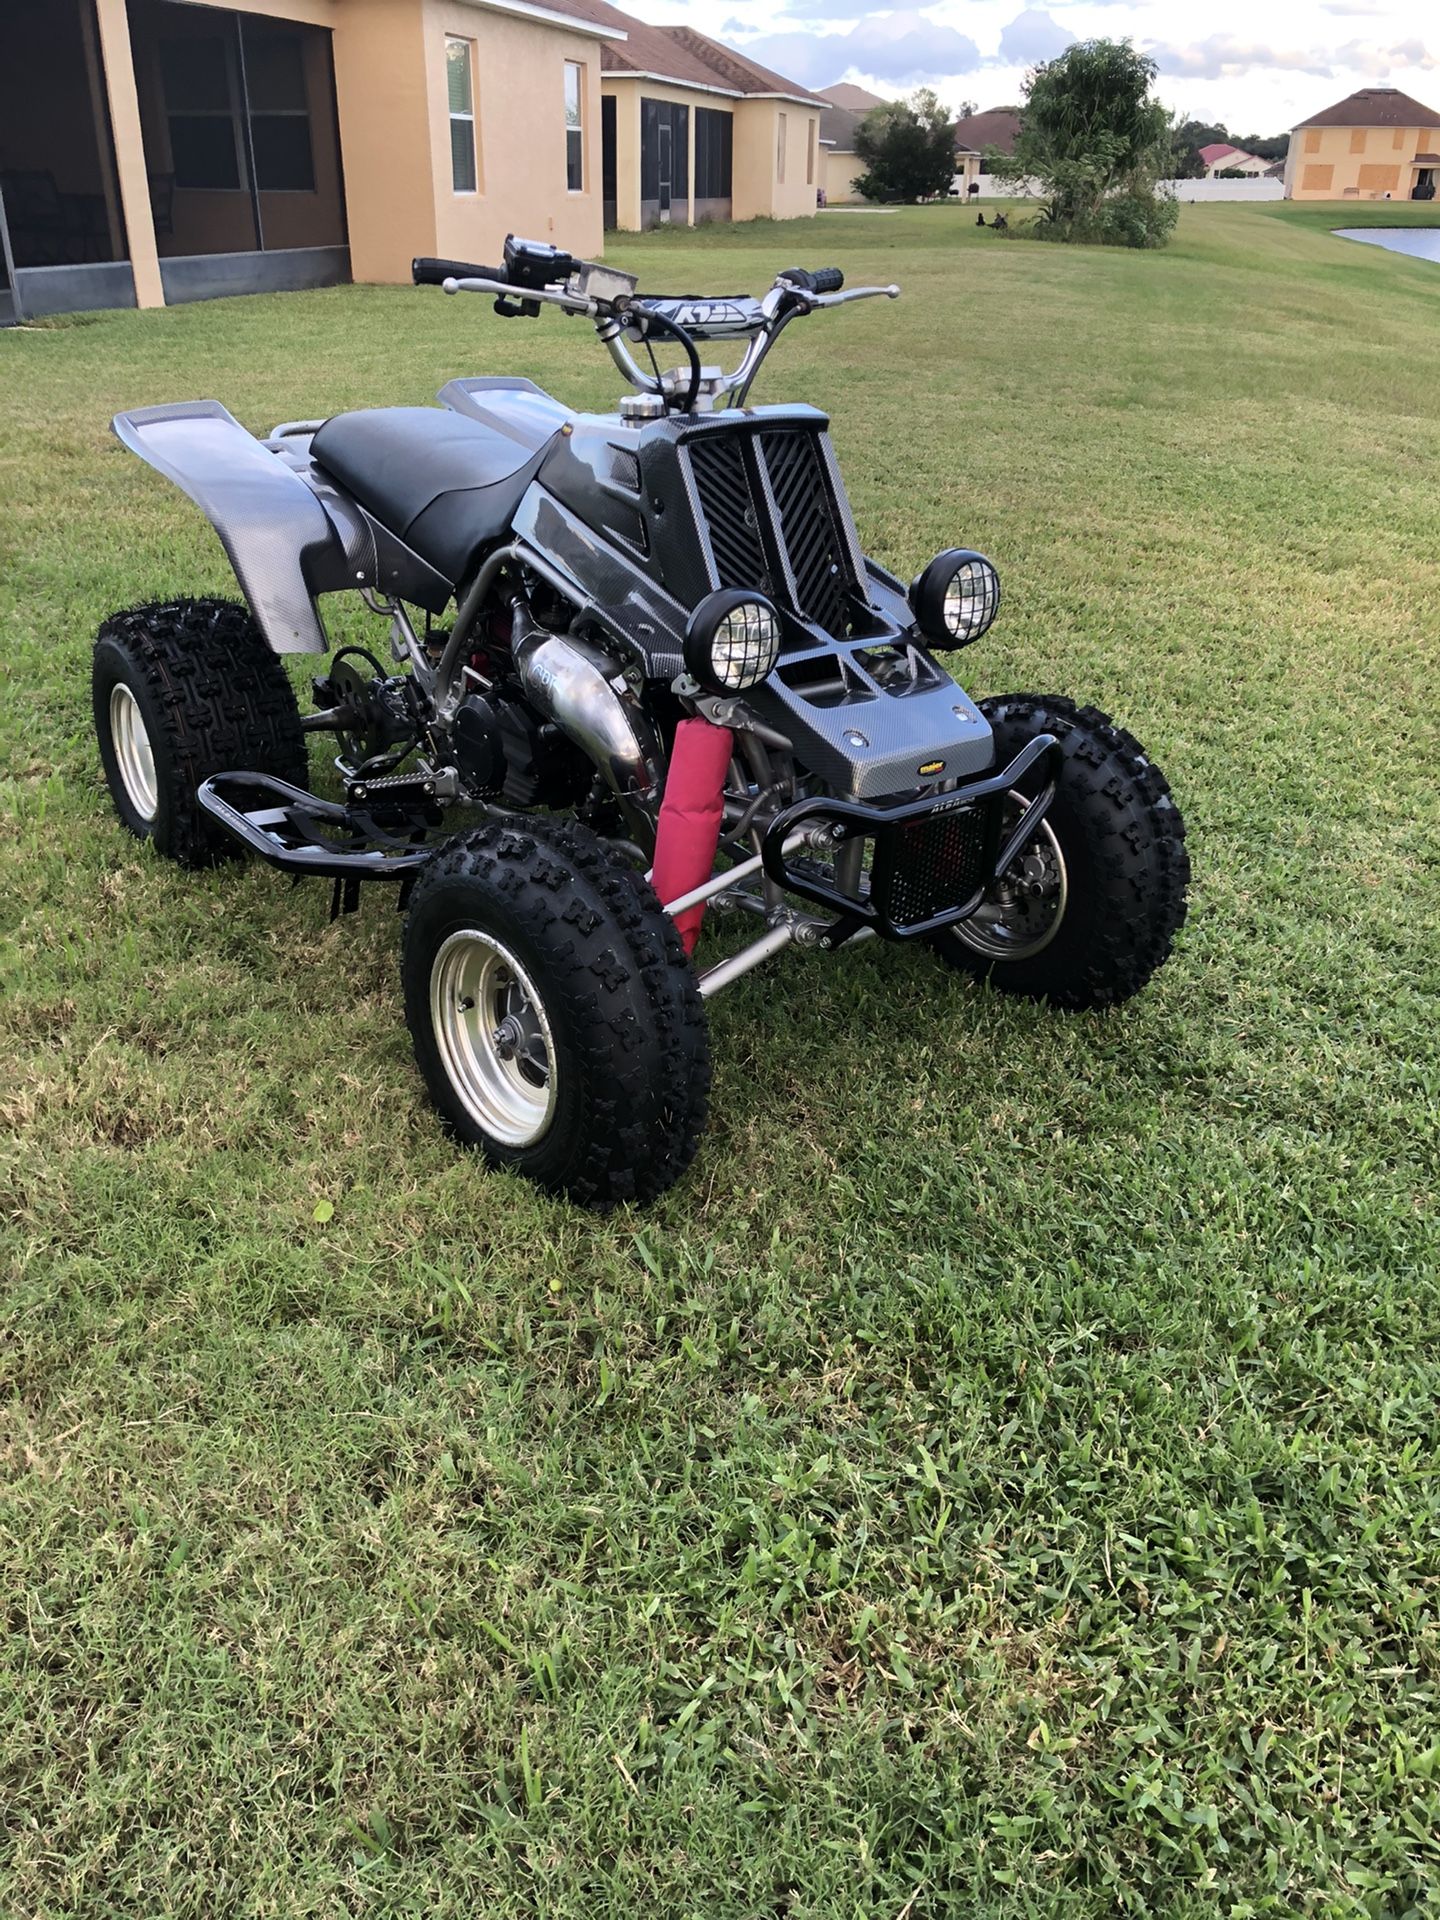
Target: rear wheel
{"points": [[182, 691], [1090, 906], [555, 1018]]}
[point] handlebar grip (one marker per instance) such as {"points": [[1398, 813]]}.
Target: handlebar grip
{"points": [[434, 273], [818, 280]]}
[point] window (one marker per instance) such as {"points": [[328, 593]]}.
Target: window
{"points": [[1312, 140], [1357, 140], [714, 149], [279, 111], [574, 127], [780, 148], [460, 87], [809, 153], [201, 111]]}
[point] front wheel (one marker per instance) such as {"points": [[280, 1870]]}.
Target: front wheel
{"points": [[556, 1021], [1091, 905]]}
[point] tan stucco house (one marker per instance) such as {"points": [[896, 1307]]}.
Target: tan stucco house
{"points": [[847, 105], [161, 150], [1378, 144], [694, 131]]}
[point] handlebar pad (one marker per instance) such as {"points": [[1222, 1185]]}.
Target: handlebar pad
{"points": [[434, 273], [821, 280]]}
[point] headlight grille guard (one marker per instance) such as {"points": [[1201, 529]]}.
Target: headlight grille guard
{"points": [[899, 894]]}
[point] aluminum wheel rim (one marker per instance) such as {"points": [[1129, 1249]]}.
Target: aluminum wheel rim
{"points": [[1022, 912], [133, 755], [494, 1037]]}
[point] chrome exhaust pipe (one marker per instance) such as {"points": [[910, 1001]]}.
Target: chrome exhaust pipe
{"points": [[584, 692]]}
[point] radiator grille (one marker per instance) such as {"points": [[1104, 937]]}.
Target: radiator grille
{"points": [[727, 499], [807, 545], [930, 866], [813, 542]]}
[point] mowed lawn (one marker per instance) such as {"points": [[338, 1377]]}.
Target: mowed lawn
{"points": [[1002, 1478]]}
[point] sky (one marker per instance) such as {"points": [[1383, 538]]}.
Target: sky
{"points": [[1255, 66]]}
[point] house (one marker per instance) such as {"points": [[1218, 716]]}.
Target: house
{"points": [[1220, 157], [1377, 144], [154, 151], [693, 130], [847, 107], [998, 128]]}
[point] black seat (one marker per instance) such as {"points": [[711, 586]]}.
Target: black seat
{"points": [[447, 485]]}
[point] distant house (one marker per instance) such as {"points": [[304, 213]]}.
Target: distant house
{"points": [[693, 130], [1220, 157], [1377, 144], [999, 128], [847, 107]]}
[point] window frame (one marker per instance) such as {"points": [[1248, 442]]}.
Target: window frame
{"points": [[782, 135], [812, 145], [233, 110], [577, 67], [470, 119], [286, 30]]}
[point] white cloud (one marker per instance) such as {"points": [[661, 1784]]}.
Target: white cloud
{"points": [[1032, 36], [905, 49]]}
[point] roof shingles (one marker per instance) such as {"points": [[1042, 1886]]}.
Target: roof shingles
{"points": [[1375, 107], [677, 54]]}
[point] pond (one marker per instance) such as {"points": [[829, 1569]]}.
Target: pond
{"points": [[1421, 243]]}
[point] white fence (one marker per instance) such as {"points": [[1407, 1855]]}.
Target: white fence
{"points": [[1185, 191]]}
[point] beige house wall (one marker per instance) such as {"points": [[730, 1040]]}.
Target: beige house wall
{"points": [[757, 191], [519, 81], [842, 168], [1355, 163]]}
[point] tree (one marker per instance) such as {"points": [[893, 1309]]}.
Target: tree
{"points": [[908, 149], [1097, 143]]}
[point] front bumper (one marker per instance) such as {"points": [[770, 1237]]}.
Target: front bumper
{"points": [[932, 860]]}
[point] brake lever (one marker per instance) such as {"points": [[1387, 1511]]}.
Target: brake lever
{"points": [[852, 293]]}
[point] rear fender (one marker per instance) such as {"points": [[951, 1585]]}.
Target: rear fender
{"points": [[288, 537]]}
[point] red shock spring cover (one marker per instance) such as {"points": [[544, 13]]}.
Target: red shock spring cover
{"points": [[693, 806]]}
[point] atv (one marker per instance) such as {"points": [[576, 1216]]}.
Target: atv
{"points": [[644, 655]]}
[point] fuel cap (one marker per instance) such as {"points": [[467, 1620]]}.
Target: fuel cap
{"points": [[642, 406]]}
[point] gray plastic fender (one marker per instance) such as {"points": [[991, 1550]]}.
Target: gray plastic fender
{"points": [[279, 539], [288, 530]]}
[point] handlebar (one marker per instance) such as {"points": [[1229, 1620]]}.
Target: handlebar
{"points": [[535, 273]]}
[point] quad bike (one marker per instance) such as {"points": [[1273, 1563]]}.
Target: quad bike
{"points": [[644, 654]]}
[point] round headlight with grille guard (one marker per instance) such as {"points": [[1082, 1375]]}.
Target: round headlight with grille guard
{"points": [[732, 641], [956, 598]]}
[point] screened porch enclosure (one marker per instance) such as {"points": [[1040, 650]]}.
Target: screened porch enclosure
{"points": [[242, 149], [242, 178], [62, 230]]}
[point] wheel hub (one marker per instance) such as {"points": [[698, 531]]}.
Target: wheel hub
{"points": [[133, 753], [494, 1037], [1021, 913]]}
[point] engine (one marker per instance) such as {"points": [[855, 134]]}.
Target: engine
{"points": [[505, 751]]}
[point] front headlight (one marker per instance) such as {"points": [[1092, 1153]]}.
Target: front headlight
{"points": [[732, 641], [956, 598]]}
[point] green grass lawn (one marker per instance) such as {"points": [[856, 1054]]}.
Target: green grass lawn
{"points": [[1002, 1478]]}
